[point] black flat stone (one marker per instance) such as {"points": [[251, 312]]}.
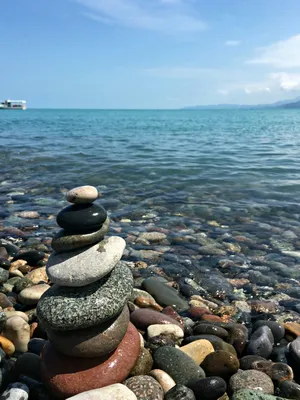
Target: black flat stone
{"points": [[81, 218], [31, 256], [211, 388]]}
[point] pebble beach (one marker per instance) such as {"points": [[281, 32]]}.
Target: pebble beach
{"points": [[157, 292]]}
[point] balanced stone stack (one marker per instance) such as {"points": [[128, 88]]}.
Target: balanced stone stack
{"points": [[92, 343]]}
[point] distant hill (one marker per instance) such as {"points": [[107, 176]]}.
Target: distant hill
{"points": [[295, 103]]}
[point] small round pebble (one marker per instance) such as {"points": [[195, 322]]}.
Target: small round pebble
{"points": [[210, 388], [180, 392], [251, 379], [144, 363], [247, 361], [165, 381], [220, 363], [145, 387], [277, 329], [15, 391], [82, 195], [4, 275]]}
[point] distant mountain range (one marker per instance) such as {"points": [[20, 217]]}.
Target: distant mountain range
{"points": [[295, 103]]}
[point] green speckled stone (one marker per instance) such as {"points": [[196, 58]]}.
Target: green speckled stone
{"points": [[67, 308], [181, 367], [246, 394]]}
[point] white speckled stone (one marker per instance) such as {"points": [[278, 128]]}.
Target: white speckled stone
{"points": [[15, 391], [167, 329], [65, 308], [112, 392], [80, 268], [82, 195]]}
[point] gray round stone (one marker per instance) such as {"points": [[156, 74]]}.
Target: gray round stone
{"points": [[65, 241], [253, 380], [66, 308], [80, 268]]}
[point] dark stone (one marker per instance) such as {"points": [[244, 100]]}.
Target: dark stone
{"points": [[289, 390], [164, 294], [238, 336], [216, 285], [211, 338], [276, 328], [220, 363], [279, 354], [36, 345], [209, 328], [31, 256], [144, 363], [29, 364], [91, 342], [3, 253], [246, 362], [178, 365], [82, 218], [295, 350], [4, 275], [261, 342], [37, 391], [4, 263], [66, 308], [180, 392], [209, 388], [156, 342], [2, 320], [65, 241], [22, 283], [11, 248]]}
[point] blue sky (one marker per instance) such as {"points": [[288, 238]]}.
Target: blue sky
{"points": [[149, 53]]}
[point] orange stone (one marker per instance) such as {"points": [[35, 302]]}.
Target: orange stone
{"points": [[7, 346], [292, 327], [67, 376], [211, 318]]}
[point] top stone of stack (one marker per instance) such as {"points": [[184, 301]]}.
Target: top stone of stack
{"points": [[82, 195]]}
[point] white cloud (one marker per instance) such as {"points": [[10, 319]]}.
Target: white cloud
{"points": [[287, 82], [178, 72], [272, 82], [168, 16], [232, 43], [282, 54]]}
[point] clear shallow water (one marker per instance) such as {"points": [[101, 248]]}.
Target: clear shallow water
{"points": [[236, 158]]}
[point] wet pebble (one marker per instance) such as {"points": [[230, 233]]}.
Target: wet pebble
{"points": [[143, 364], [251, 379], [277, 329], [32, 257], [289, 389], [177, 364], [220, 363], [180, 392], [206, 328], [210, 388], [261, 342]]}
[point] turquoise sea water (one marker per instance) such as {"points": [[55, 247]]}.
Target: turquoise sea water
{"points": [[195, 163]]}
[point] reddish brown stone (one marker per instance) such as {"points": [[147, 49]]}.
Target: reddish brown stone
{"points": [[211, 318], [173, 314], [144, 317], [67, 376], [198, 312]]}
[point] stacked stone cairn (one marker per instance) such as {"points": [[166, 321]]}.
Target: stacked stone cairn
{"points": [[92, 343]]}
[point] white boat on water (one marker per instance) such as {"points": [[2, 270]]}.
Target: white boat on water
{"points": [[13, 105]]}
